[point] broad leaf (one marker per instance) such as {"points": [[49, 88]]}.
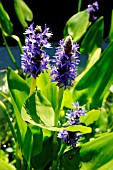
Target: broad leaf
{"points": [[5, 22], [19, 91], [93, 38], [23, 12], [38, 106], [37, 139], [97, 153], [77, 25], [97, 80], [40, 161], [71, 159], [91, 117], [5, 166], [74, 128]]}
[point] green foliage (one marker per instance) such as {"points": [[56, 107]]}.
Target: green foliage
{"points": [[23, 12], [93, 38], [96, 81], [77, 25], [5, 22], [39, 113]]}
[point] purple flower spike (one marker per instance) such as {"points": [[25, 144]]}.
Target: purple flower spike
{"points": [[73, 116], [35, 60], [66, 63], [92, 10]]}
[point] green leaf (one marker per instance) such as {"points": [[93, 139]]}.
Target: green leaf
{"points": [[37, 139], [93, 38], [96, 81], [77, 25], [110, 36], [71, 159], [23, 12], [91, 117], [3, 156], [97, 153], [38, 106], [28, 143], [107, 166], [19, 91], [5, 166], [5, 22], [40, 161], [68, 99], [42, 80], [102, 123], [74, 128], [51, 93]]}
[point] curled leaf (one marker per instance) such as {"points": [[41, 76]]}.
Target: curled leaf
{"points": [[23, 12]]}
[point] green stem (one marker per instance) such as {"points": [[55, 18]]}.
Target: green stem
{"points": [[33, 86], [55, 142], [59, 103], [63, 146], [9, 52], [19, 42], [3, 107], [5, 97], [79, 5]]}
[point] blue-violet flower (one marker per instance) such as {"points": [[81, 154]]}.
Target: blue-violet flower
{"points": [[35, 60], [66, 62], [73, 116], [92, 10]]}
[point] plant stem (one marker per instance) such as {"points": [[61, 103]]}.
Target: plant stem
{"points": [[19, 42], [9, 52], [79, 5], [55, 142], [59, 103], [62, 148], [33, 86], [8, 119]]}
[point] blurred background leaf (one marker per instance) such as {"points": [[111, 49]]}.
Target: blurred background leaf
{"points": [[5, 22], [23, 12]]}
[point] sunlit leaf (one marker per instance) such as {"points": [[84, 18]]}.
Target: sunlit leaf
{"points": [[23, 12], [91, 117], [74, 128], [38, 106], [97, 153], [19, 91], [97, 80], [6, 166], [77, 25]]}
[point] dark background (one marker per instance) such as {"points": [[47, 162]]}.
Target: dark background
{"points": [[54, 14]]}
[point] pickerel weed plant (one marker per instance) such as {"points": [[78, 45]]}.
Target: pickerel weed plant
{"points": [[62, 114]]}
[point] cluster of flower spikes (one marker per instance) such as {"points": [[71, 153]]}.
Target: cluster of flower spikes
{"points": [[65, 63], [92, 11], [73, 116], [34, 59]]}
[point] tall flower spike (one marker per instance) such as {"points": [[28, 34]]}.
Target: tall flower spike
{"points": [[35, 60], [66, 62], [92, 10]]}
